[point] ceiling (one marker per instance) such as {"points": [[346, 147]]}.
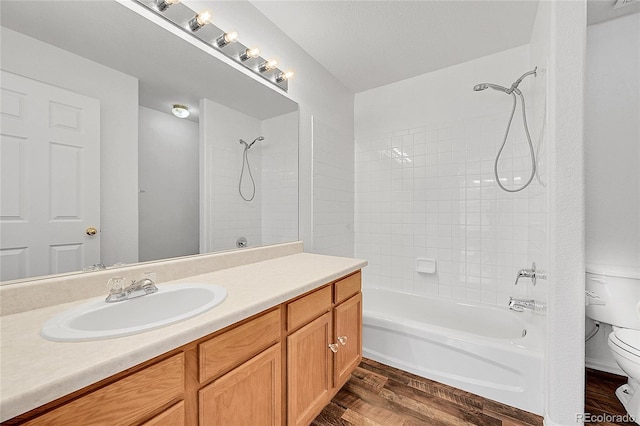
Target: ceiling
{"points": [[367, 44], [604, 10]]}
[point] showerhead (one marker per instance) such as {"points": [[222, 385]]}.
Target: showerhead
{"points": [[249, 145], [259, 138], [483, 86]]}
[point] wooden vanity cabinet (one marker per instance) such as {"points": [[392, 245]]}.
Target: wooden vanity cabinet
{"points": [[246, 365], [309, 363], [250, 394], [174, 415], [129, 400], [322, 353], [235, 376], [348, 337]]}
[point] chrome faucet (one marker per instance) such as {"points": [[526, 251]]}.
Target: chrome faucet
{"points": [[119, 291], [519, 305]]}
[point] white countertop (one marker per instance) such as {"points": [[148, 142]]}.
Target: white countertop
{"points": [[34, 371]]}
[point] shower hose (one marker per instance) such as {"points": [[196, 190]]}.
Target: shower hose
{"points": [[504, 141], [245, 160]]}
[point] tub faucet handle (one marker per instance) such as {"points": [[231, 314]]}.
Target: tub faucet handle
{"points": [[528, 273]]}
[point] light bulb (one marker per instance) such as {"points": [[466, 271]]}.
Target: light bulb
{"points": [[200, 20], [164, 4], [226, 38], [268, 65], [286, 75], [180, 111], [254, 52]]}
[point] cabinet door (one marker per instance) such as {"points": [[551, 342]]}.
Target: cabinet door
{"points": [[250, 394], [308, 372], [348, 334]]}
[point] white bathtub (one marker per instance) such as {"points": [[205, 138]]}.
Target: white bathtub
{"points": [[486, 350]]}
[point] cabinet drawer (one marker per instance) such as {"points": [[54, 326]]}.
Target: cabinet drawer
{"points": [[125, 401], [347, 287], [231, 348], [173, 416], [308, 307]]}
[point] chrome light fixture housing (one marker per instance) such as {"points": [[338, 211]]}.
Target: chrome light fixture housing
{"points": [[199, 26]]}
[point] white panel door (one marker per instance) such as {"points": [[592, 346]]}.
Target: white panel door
{"points": [[49, 179]]}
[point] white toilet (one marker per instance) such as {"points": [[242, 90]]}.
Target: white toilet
{"points": [[613, 297]]}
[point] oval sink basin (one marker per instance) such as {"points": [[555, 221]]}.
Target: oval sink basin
{"points": [[97, 319]]}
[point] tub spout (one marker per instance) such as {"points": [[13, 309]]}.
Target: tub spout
{"points": [[519, 305]]}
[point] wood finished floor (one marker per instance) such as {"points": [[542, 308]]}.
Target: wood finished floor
{"points": [[600, 395], [379, 395]]}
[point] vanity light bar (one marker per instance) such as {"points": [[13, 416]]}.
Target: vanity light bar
{"points": [[200, 26]]}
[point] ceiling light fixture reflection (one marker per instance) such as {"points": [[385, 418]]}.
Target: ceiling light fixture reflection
{"points": [[162, 5], [285, 75], [180, 111], [200, 20], [254, 52], [226, 38], [268, 65]]}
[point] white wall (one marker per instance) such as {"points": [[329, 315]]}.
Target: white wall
{"points": [[118, 95], [317, 92], [564, 396], [169, 186], [612, 155], [424, 183], [333, 183], [612, 147], [540, 46], [280, 179]]}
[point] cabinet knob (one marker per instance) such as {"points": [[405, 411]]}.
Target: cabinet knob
{"points": [[333, 347], [342, 340]]}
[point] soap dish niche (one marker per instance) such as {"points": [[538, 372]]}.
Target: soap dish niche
{"points": [[425, 265]]}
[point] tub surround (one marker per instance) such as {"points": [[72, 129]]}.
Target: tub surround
{"points": [[36, 371]]}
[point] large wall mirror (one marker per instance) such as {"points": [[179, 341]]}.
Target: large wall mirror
{"points": [[97, 171]]}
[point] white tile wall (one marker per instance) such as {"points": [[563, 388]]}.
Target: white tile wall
{"points": [[271, 217], [430, 191]]}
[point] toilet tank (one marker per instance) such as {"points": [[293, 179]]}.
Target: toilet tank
{"points": [[613, 297]]}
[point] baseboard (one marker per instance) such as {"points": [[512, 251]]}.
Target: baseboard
{"points": [[608, 367], [547, 422]]}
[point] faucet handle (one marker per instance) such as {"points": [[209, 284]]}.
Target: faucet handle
{"points": [[116, 285], [527, 273]]}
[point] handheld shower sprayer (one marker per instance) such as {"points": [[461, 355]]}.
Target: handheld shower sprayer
{"points": [[249, 145], [513, 90], [483, 86], [245, 160], [514, 87]]}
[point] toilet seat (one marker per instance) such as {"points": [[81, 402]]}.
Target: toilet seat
{"points": [[627, 340]]}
